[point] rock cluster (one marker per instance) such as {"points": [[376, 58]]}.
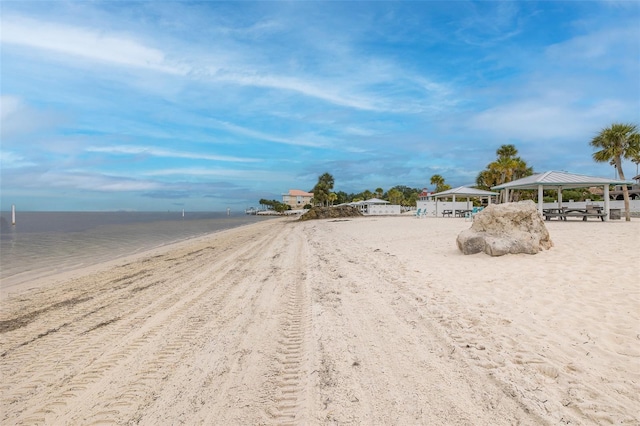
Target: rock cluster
{"points": [[506, 228], [331, 212]]}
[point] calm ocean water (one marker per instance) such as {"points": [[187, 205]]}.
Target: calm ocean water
{"points": [[43, 243]]}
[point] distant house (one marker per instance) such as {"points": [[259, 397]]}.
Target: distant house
{"points": [[425, 195], [297, 199], [634, 191]]}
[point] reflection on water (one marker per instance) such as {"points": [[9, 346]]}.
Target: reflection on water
{"points": [[47, 242]]}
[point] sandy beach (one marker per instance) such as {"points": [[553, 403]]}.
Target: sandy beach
{"points": [[364, 321]]}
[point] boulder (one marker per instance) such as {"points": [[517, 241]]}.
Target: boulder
{"points": [[500, 229], [331, 212]]}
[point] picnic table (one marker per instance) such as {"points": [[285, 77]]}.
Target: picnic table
{"points": [[584, 213], [551, 213], [447, 213], [462, 213]]}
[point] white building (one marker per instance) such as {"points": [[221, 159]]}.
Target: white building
{"points": [[376, 206]]}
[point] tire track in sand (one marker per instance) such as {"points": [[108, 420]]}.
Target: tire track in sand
{"points": [[293, 358], [291, 351], [97, 356]]}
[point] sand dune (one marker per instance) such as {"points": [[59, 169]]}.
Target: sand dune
{"points": [[362, 321]]}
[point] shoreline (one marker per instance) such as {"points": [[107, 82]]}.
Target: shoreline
{"points": [[375, 320], [23, 281]]}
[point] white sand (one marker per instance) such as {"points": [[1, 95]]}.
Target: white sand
{"points": [[373, 321]]}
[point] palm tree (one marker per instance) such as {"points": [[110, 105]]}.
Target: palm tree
{"points": [[327, 179], [322, 189], [487, 178], [438, 181], [506, 168], [636, 159], [507, 151], [379, 192], [615, 143]]}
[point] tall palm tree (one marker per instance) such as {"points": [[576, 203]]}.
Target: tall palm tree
{"points": [[322, 189], [487, 178], [507, 151], [615, 143], [506, 168], [635, 158], [438, 181]]}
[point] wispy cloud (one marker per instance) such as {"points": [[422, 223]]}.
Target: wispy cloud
{"points": [[12, 160], [81, 180], [253, 175], [543, 119], [601, 48], [490, 23], [307, 87], [17, 118], [85, 43], [255, 134], [355, 87], [169, 153]]}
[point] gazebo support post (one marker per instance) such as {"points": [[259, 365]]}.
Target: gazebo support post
{"points": [[606, 202], [560, 197], [540, 198], [453, 209]]}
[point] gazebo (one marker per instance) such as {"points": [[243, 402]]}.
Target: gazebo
{"points": [[559, 181], [463, 192], [375, 206]]}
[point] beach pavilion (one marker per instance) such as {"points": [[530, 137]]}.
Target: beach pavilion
{"points": [[375, 206], [559, 181], [463, 192]]}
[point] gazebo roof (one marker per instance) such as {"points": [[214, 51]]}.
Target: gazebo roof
{"points": [[464, 191], [555, 179], [375, 201], [369, 201]]}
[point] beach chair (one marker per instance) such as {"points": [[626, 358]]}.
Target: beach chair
{"points": [[469, 215], [418, 213], [475, 211]]}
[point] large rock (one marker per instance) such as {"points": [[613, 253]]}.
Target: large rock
{"points": [[506, 228], [331, 212]]}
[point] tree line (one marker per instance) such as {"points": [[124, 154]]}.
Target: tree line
{"points": [[507, 167], [323, 194], [615, 143]]}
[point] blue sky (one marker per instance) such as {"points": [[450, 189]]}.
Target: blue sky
{"points": [[214, 105]]}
